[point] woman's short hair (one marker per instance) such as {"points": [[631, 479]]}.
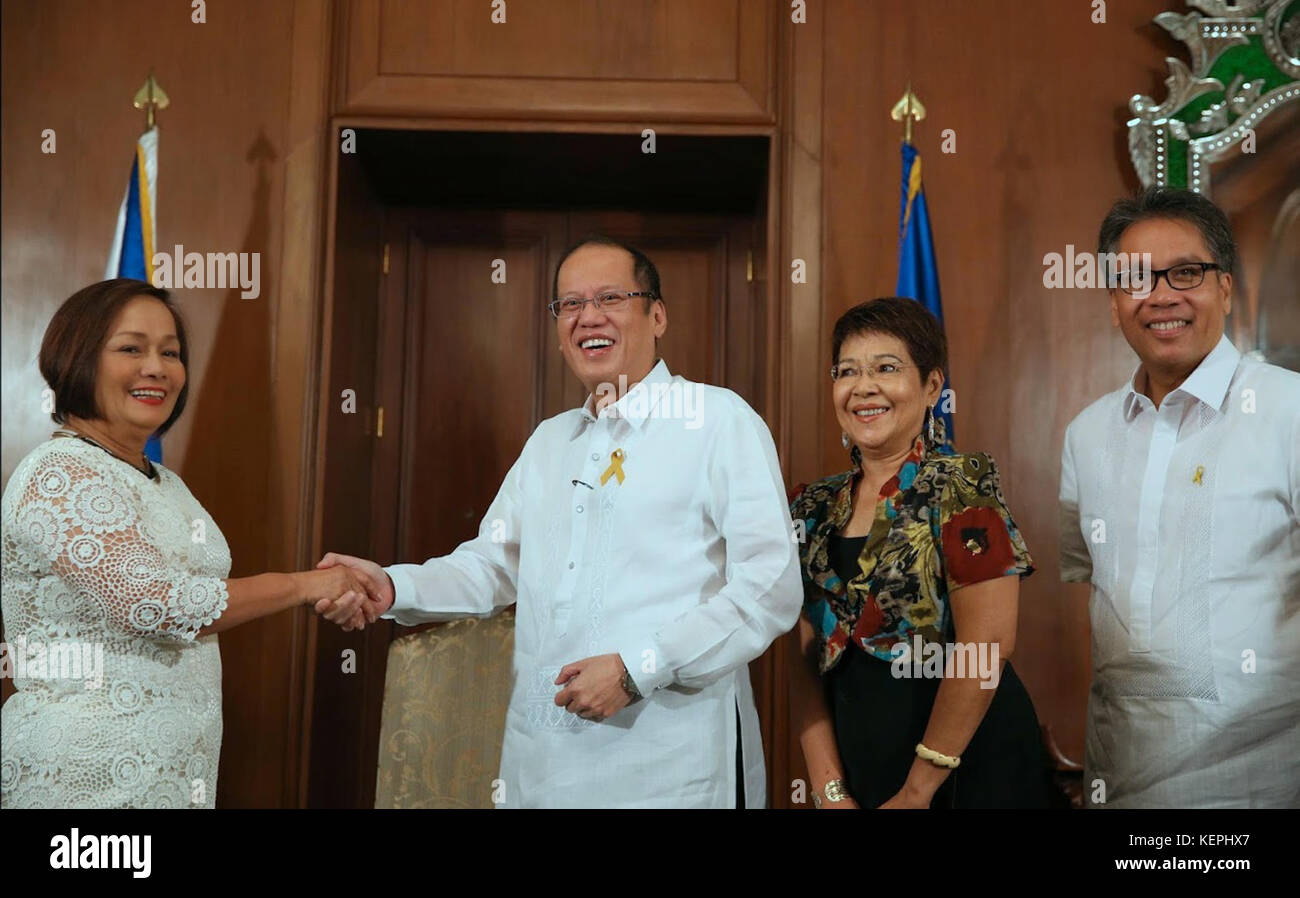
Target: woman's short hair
{"points": [[75, 338], [899, 317]]}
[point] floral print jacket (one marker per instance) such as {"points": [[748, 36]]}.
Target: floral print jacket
{"points": [[940, 524]]}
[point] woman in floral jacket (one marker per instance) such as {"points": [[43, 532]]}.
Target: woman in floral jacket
{"points": [[911, 566]]}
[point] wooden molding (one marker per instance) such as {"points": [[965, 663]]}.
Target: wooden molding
{"points": [[796, 385], [368, 86], [297, 346]]}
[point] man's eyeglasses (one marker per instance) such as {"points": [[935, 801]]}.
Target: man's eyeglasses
{"points": [[882, 373], [1184, 276], [609, 301]]}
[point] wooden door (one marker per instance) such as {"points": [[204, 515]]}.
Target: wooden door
{"points": [[462, 376]]}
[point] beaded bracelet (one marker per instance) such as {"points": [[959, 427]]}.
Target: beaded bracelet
{"points": [[938, 759]]}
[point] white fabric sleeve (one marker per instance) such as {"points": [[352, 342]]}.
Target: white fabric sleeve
{"points": [[764, 590], [1076, 561], [1294, 473], [85, 529]]}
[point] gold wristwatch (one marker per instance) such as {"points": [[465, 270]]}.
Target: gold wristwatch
{"points": [[834, 791], [629, 686]]}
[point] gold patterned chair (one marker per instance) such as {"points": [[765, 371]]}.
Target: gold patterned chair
{"points": [[444, 712]]}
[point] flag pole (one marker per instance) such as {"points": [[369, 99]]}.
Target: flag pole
{"points": [[918, 274], [908, 110]]}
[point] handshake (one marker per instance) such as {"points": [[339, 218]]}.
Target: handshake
{"points": [[348, 591]]}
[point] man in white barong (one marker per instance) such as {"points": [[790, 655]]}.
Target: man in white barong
{"points": [[1180, 501], [647, 545]]}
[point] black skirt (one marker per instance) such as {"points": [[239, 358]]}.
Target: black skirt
{"points": [[879, 719]]}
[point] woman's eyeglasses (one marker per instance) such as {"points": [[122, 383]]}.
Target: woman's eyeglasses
{"points": [[881, 373]]}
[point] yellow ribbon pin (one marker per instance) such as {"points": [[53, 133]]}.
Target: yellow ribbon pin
{"points": [[1200, 472], [615, 468]]}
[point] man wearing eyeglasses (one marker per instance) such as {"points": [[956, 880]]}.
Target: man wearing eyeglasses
{"points": [[650, 559], [1179, 498]]}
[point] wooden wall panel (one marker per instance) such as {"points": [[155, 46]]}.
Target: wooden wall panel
{"points": [[309, 148], [633, 39], [797, 338], [669, 60]]}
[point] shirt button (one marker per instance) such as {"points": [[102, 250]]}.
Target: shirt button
{"points": [[570, 565], [579, 509], [595, 456]]}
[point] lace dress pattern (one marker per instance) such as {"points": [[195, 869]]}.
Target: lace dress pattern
{"points": [[102, 562]]}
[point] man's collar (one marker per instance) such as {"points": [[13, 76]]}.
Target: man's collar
{"points": [[637, 404], [1208, 382]]}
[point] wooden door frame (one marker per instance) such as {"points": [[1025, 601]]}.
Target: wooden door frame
{"points": [[799, 339], [795, 336], [298, 347]]}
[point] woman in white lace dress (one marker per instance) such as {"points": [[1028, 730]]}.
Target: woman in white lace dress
{"points": [[115, 579]]}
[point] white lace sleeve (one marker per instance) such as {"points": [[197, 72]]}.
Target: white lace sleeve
{"points": [[85, 527]]}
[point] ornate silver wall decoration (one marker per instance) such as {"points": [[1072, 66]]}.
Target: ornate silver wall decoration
{"points": [[1245, 63]]}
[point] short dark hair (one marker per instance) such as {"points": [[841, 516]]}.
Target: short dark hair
{"points": [[647, 276], [75, 337], [1175, 203], [899, 317]]}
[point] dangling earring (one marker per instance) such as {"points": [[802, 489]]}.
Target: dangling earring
{"points": [[929, 425], [855, 453]]}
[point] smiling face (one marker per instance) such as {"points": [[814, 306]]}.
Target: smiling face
{"points": [[140, 373], [1171, 330], [884, 414], [598, 344]]}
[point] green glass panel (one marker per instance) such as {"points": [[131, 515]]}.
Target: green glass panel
{"points": [[1252, 62], [1176, 164]]}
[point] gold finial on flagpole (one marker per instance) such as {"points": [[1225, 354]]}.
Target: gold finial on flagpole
{"points": [[907, 110], [150, 98]]}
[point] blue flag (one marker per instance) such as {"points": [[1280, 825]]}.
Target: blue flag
{"points": [[133, 241], [918, 274]]}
